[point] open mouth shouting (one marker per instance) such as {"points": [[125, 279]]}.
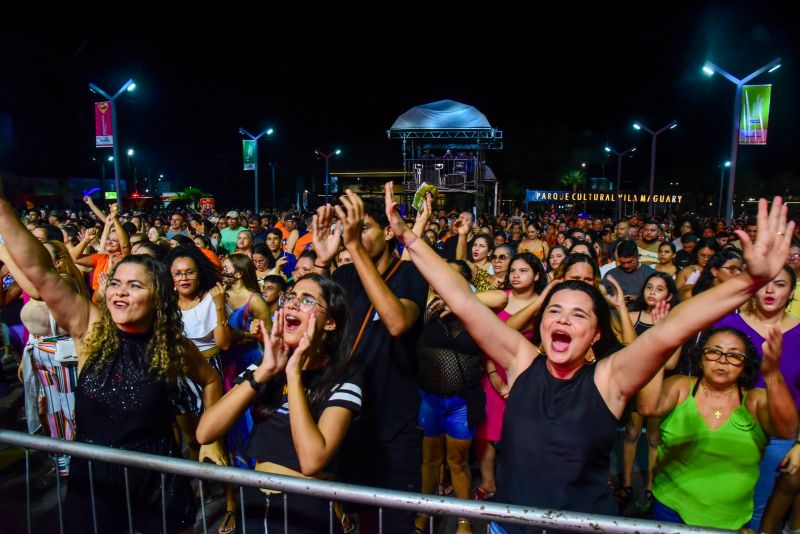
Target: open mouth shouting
{"points": [[560, 340]]}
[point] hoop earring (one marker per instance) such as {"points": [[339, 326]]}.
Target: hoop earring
{"points": [[589, 357], [540, 348]]}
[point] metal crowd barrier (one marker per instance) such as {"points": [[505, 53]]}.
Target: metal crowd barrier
{"points": [[333, 491]]}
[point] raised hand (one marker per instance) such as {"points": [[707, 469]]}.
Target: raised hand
{"points": [[325, 235], [618, 300], [772, 348], [660, 311], [351, 216], [113, 210], [218, 294], [399, 228], [301, 354], [276, 351], [88, 200], [765, 257]]}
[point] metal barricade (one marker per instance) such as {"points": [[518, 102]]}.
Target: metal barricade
{"points": [[332, 491]]}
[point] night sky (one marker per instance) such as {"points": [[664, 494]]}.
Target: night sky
{"points": [[558, 87]]}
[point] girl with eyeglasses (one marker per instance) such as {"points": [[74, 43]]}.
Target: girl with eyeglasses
{"points": [[722, 266], [687, 277], [303, 395], [765, 310], [715, 428]]}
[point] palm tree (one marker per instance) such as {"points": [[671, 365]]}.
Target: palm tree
{"points": [[572, 179]]}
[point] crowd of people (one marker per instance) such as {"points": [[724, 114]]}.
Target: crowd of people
{"points": [[354, 345]]}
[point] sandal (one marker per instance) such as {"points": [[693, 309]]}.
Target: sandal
{"points": [[421, 530], [480, 494], [228, 524], [623, 494], [465, 522]]}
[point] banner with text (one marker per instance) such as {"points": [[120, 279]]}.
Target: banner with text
{"points": [[249, 154], [103, 128], [755, 114], [535, 195]]}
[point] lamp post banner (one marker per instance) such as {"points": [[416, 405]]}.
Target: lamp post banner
{"points": [[103, 125], [249, 154], [755, 114]]}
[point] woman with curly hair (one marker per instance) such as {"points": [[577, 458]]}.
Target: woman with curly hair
{"points": [[131, 350]]}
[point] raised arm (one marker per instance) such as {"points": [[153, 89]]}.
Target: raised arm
{"points": [[70, 309], [17, 274], [503, 344], [397, 314], [122, 235], [633, 366], [92, 206], [421, 221], [314, 441], [776, 411], [220, 416]]}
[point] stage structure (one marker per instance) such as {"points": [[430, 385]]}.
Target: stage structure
{"points": [[444, 144]]}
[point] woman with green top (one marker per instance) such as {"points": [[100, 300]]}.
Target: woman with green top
{"points": [[715, 428]]}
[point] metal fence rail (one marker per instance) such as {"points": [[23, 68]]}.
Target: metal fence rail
{"points": [[333, 491]]}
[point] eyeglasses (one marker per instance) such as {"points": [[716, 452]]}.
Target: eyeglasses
{"points": [[189, 274], [734, 358], [498, 257], [704, 256], [305, 304], [732, 268]]}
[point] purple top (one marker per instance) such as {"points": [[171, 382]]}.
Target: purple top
{"points": [[790, 359]]}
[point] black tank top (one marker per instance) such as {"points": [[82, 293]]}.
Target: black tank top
{"points": [[641, 327], [556, 444]]}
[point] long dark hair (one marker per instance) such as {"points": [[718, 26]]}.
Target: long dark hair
{"points": [[672, 289], [243, 265], [608, 343], [752, 363], [706, 279], [337, 346], [575, 258], [210, 274]]}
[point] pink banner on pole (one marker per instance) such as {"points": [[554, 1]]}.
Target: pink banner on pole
{"points": [[103, 133]]}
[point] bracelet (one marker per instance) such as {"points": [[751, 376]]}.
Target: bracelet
{"points": [[408, 245], [320, 266], [490, 373], [222, 323], [248, 375]]}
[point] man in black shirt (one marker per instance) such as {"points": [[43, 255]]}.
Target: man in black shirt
{"points": [[383, 448], [450, 245]]}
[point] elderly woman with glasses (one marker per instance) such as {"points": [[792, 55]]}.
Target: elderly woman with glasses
{"points": [[715, 428], [767, 309]]}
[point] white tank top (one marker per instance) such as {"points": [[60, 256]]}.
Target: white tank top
{"points": [[199, 323]]}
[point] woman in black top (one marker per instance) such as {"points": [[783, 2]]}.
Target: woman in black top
{"points": [[303, 396], [563, 409]]}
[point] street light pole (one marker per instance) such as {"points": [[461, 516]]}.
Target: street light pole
{"points": [[327, 173], [640, 126], [721, 179], [268, 131], [710, 68], [619, 174], [273, 165], [128, 86]]}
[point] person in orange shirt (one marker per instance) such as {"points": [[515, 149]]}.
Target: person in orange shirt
{"points": [[304, 241], [115, 245]]}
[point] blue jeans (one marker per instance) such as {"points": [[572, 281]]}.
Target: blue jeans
{"points": [[444, 414], [773, 455]]}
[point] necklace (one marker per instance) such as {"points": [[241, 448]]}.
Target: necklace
{"points": [[717, 413]]}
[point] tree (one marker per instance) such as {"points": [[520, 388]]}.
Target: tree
{"points": [[192, 195], [572, 179]]}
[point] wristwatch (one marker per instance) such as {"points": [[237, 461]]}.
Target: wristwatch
{"points": [[255, 384]]}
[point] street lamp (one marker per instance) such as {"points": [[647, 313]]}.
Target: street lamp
{"points": [[327, 157], [709, 69], [619, 173], [135, 186], [128, 86], [640, 126], [722, 166], [268, 132]]}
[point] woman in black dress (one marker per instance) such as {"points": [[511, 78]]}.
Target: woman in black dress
{"points": [[130, 350], [568, 394]]}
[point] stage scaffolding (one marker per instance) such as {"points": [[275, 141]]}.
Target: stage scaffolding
{"points": [[451, 158]]}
